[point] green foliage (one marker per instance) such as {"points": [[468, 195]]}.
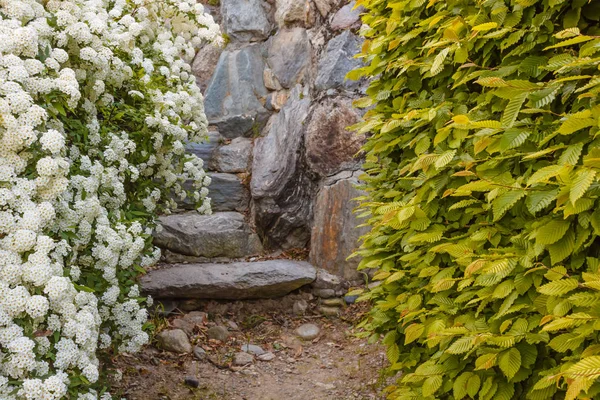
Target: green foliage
{"points": [[482, 179]]}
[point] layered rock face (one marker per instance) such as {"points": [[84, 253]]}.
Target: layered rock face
{"points": [[284, 167]]}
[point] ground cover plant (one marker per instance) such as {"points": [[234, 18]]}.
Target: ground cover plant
{"points": [[482, 185], [96, 104]]}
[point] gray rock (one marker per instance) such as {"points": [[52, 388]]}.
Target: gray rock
{"points": [[281, 187], [241, 359], [307, 331], [221, 234], [205, 149], [191, 381], [337, 61], [227, 193], [330, 147], [234, 281], [234, 157], [289, 56], [233, 98], [335, 234], [204, 64], [324, 6], [266, 357], [290, 11], [347, 17], [199, 353], [253, 349], [218, 333], [300, 307], [174, 340], [325, 280], [350, 299], [245, 20]]}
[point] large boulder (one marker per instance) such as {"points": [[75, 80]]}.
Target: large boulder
{"points": [[330, 147], [234, 157], [234, 281], [289, 56], [236, 93], [334, 233], [337, 60], [281, 187], [218, 235], [245, 20], [226, 191]]}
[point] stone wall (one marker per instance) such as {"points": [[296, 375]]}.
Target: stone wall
{"points": [[278, 104]]}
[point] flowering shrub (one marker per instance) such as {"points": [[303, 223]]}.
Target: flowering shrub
{"points": [[96, 103]]}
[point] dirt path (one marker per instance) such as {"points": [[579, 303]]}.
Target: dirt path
{"points": [[334, 365]]}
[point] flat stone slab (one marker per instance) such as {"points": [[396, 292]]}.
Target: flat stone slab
{"points": [[234, 281], [224, 234]]}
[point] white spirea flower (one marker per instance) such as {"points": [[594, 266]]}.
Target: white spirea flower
{"points": [[72, 158]]}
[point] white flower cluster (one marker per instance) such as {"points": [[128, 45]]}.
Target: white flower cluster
{"points": [[96, 102]]}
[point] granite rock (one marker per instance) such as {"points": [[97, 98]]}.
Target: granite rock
{"points": [[221, 234], [233, 157], [337, 60], [174, 340], [245, 20], [334, 233], [330, 146], [289, 56], [236, 92], [234, 281]]}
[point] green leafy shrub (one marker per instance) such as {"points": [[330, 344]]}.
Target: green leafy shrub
{"points": [[483, 195]]}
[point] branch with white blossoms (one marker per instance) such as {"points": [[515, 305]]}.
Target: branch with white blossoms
{"points": [[97, 101]]}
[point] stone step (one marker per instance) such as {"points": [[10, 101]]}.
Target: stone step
{"points": [[222, 234], [233, 281]]}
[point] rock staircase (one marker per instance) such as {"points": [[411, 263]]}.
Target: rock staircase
{"points": [[218, 253]]}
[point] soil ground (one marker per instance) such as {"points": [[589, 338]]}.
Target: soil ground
{"points": [[336, 365]]}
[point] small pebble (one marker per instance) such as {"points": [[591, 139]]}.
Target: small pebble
{"points": [[192, 382], [350, 299], [308, 331], [240, 359], [266, 356], [300, 307], [329, 311], [253, 349], [218, 333], [335, 302], [199, 353]]}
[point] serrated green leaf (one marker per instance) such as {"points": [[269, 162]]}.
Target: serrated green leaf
{"points": [[509, 362]]}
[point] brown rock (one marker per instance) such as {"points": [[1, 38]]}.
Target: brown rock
{"points": [[174, 340], [334, 233], [324, 6], [204, 64], [290, 11], [330, 147], [184, 325]]}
